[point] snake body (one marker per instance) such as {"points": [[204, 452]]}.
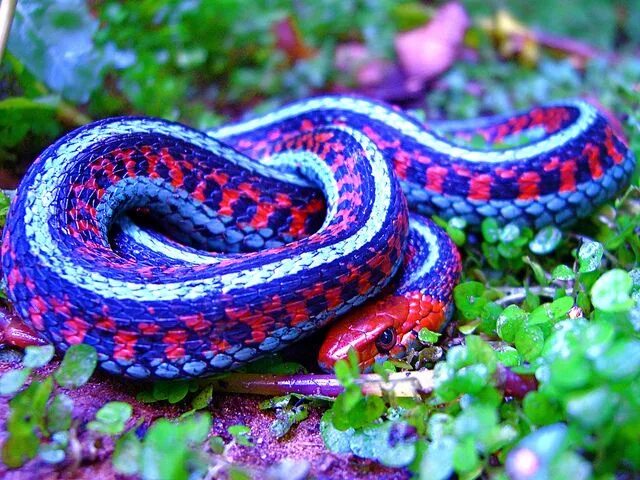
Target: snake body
{"points": [[248, 237]]}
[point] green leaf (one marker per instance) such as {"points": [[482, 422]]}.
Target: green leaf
{"points": [[510, 322], [509, 233], [343, 373], [51, 453], [546, 240], [489, 317], [12, 381], [195, 428], [508, 356], [540, 409], [542, 314], [479, 351], [23, 117], [25, 421], [592, 408], [538, 271], [36, 357], [173, 449], [178, 392], [570, 465], [470, 327], [562, 272], [55, 41], [163, 455], [238, 473], [59, 413], [203, 398], [127, 453], [561, 307], [468, 297], [475, 421], [216, 444], [376, 442], [335, 440], [77, 366], [570, 373], [371, 409], [620, 361], [352, 409], [549, 312], [611, 292], [491, 255], [353, 362], [437, 461], [509, 251], [471, 379], [111, 418], [173, 392], [490, 229], [384, 369], [4, 207], [529, 341], [241, 434], [589, 256], [457, 235], [427, 336], [465, 457], [274, 364], [287, 418]]}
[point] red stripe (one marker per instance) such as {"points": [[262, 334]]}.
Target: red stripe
{"points": [[174, 340], [568, 176], [435, 178], [593, 154], [610, 145], [125, 343], [528, 185], [552, 164], [480, 187], [262, 215], [74, 330]]}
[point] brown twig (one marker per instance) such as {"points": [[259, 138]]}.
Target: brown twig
{"points": [[401, 384]]}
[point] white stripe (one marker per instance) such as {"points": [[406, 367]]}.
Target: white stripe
{"points": [[39, 204], [434, 252], [158, 244], [400, 123]]}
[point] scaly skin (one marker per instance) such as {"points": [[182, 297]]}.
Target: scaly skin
{"points": [[420, 297], [306, 209]]}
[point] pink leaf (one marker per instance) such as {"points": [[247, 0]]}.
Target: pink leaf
{"points": [[427, 51]]}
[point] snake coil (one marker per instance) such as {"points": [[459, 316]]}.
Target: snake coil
{"points": [[180, 253]]}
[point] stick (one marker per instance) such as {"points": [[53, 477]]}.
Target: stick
{"points": [[401, 384], [7, 10]]}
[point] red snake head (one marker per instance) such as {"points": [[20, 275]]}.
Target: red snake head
{"points": [[381, 329]]}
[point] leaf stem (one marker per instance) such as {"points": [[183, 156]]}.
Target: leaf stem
{"points": [[518, 294]]}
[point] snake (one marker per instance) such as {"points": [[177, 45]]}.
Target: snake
{"points": [[180, 253]]}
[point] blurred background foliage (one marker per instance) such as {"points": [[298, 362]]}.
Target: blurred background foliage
{"points": [[201, 62]]}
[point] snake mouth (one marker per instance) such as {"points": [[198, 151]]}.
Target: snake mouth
{"points": [[362, 331], [382, 329]]}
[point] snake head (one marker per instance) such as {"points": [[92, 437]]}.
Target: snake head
{"points": [[381, 329]]}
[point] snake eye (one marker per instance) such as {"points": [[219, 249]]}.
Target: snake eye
{"points": [[386, 340]]}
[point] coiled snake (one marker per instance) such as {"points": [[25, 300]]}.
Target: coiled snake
{"points": [[181, 253]]}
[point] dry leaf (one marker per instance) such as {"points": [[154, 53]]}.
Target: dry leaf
{"points": [[428, 51], [289, 40]]}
